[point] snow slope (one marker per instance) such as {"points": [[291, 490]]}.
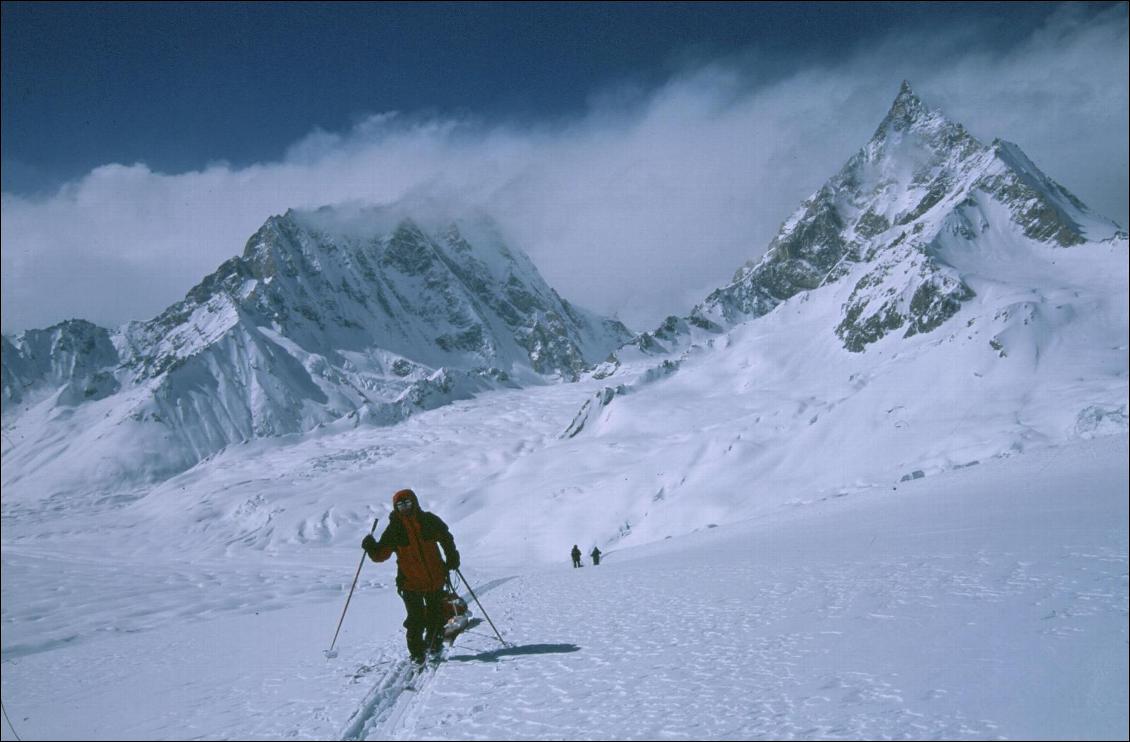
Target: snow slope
{"points": [[984, 603]]}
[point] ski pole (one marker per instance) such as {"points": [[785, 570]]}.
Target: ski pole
{"points": [[480, 605], [330, 653]]}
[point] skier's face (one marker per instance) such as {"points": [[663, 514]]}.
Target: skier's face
{"points": [[404, 507]]}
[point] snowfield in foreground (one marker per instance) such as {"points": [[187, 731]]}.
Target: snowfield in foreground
{"points": [[988, 602]]}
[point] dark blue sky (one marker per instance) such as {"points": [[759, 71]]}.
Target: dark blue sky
{"points": [[178, 86]]}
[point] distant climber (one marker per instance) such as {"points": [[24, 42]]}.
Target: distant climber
{"points": [[576, 556], [595, 556]]}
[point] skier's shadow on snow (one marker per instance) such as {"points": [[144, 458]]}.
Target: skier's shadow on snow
{"points": [[495, 655]]}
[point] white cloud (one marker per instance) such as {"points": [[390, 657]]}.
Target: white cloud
{"points": [[637, 208]]}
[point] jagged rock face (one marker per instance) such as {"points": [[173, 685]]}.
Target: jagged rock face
{"points": [[904, 291], [877, 223], [323, 317], [73, 356]]}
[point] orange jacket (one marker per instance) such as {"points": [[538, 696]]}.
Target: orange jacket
{"points": [[415, 539]]}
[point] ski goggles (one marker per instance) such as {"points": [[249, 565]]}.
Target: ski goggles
{"points": [[404, 505]]}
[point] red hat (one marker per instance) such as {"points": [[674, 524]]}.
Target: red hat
{"points": [[405, 495]]}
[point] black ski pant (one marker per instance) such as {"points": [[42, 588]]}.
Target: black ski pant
{"points": [[424, 623]]}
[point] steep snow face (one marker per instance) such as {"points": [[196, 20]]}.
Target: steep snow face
{"points": [[878, 223], [352, 313]]}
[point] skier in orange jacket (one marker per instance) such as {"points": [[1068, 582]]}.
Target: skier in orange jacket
{"points": [[415, 536]]}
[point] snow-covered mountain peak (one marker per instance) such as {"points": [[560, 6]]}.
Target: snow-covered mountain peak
{"points": [[351, 313], [907, 112], [910, 146], [71, 356], [937, 303], [881, 222]]}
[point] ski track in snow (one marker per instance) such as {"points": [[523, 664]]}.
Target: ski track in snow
{"points": [[391, 708], [386, 698]]}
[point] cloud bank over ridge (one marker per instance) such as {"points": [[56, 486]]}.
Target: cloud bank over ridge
{"points": [[636, 207]]}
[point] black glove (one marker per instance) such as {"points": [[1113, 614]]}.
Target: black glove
{"points": [[453, 561], [369, 544]]}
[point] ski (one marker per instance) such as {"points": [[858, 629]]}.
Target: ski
{"points": [[421, 671]]}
